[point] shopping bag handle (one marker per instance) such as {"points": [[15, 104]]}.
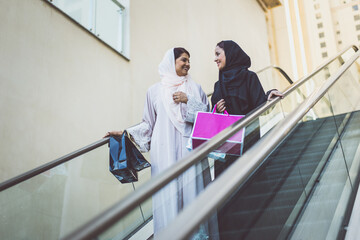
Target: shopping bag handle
{"points": [[225, 112]]}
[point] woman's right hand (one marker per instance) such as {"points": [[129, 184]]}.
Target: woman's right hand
{"points": [[220, 106], [113, 133]]}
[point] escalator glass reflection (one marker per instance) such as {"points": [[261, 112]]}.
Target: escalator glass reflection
{"points": [[262, 124], [54, 203], [302, 189]]}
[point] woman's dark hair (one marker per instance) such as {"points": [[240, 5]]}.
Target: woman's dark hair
{"points": [[178, 51], [221, 44]]}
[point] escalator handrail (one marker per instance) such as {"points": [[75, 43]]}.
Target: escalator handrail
{"points": [[29, 174], [309, 76], [281, 71], [217, 192], [109, 217]]}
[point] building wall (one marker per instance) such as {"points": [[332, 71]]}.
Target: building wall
{"points": [[61, 88], [327, 27], [280, 40], [319, 14], [197, 26], [57, 85], [346, 22]]}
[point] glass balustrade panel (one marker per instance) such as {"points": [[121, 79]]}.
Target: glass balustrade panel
{"points": [[65, 197]]}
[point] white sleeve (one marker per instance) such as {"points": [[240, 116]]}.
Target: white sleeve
{"points": [[194, 106], [141, 135], [142, 132]]}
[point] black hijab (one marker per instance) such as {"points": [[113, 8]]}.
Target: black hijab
{"points": [[239, 87]]}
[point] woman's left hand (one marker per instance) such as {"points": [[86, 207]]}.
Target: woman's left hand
{"points": [[113, 133], [180, 97], [275, 93]]}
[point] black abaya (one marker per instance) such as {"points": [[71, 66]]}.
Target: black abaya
{"points": [[242, 92]]}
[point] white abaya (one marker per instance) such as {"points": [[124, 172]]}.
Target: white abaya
{"points": [[157, 133]]}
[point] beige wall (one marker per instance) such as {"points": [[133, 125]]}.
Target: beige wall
{"points": [[58, 86], [62, 89], [196, 25]]}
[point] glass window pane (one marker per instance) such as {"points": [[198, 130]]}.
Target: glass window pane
{"points": [[110, 23], [82, 11], [104, 18]]}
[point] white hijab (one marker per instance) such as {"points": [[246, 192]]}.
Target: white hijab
{"points": [[172, 83]]}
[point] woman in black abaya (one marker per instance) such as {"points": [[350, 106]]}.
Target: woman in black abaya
{"points": [[238, 91]]}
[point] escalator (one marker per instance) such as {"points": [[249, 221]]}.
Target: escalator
{"points": [[67, 192], [320, 124], [288, 173], [54, 199], [267, 201], [299, 181]]}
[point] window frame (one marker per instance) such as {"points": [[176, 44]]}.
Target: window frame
{"points": [[125, 50]]}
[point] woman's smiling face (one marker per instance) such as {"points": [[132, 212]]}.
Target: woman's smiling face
{"points": [[182, 65], [220, 57]]}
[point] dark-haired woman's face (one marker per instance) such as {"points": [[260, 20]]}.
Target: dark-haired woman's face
{"points": [[182, 65], [220, 57]]}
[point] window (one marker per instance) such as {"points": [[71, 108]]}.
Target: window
{"points": [[106, 19], [358, 37], [338, 32], [339, 42], [320, 25], [318, 15], [316, 6], [324, 54], [323, 44], [357, 17], [355, 7], [357, 27], [321, 35]]}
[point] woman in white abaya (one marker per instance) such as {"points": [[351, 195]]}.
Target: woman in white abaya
{"points": [[169, 113]]}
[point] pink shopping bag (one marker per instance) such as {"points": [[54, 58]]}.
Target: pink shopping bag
{"points": [[209, 124]]}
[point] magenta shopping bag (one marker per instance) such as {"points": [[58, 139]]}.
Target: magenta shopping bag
{"points": [[209, 124]]}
